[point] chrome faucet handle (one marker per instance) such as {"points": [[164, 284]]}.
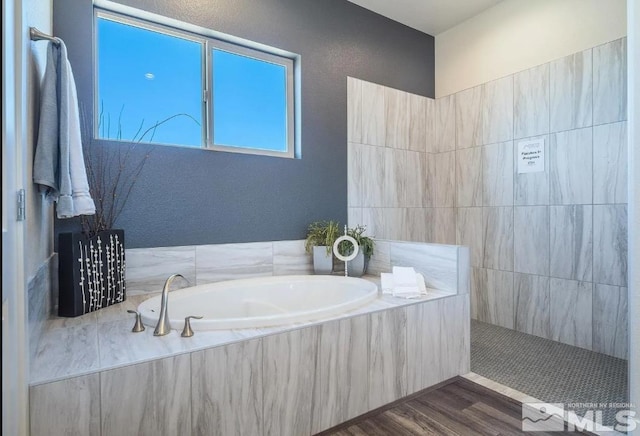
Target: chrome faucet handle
{"points": [[187, 332], [138, 327]]}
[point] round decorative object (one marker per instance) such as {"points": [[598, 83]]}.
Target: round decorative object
{"points": [[337, 252]]}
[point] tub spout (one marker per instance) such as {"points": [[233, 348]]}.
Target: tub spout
{"points": [[163, 327]]}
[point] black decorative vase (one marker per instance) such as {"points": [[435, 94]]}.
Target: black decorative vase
{"points": [[91, 272]]}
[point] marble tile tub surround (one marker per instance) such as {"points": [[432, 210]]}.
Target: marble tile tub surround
{"points": [[148, 268], [562, 230], [102, 339], [296, 381]]}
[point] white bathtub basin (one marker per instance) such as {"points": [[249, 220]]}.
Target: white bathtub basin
{"points": [[261, 301]]}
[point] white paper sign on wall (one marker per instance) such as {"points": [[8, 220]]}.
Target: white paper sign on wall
{"points": [[531, 156]]}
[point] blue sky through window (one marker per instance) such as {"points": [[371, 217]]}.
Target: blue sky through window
{"points": [[249, 102], [149, 76]]}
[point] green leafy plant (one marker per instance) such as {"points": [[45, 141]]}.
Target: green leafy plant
{"points": [[365, 243], [322, 233]]}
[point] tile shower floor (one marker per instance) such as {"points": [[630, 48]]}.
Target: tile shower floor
{"points": [[547, 370]]}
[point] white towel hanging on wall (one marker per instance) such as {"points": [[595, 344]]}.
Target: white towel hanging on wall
{"points": [[59, 166]]}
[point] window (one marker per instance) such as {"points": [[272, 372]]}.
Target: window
{"points": [[147, 77], [159, 85]]}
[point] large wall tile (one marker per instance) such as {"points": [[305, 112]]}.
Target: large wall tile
{"points": [[469, 177], [610, 82], [610, 320], [158, 398], [497, 174], [373, 176], [455, 336], [531, 189], [464, 270], [494, 297], [571, 239], [67, 350], [445, 181], [477, 279], [341, 383], [288, 370], [394, 219], [414, 174], [354, 110], [571, 167], [531, 240], [381, 259], [445, 115], [395, 178], [227, 261], [373, 219], [430, 126], [497, 116], [149, 268], [444, 225], [437, 263], [373, 114], [290, 257], [531, 102], [387, 357], [396, 105], [469, 104], [429, 180], [610, 163], [39, 302], [419, 224], [571, 312], [571, 91], [225, 378], [417, 123], [424, 340], [355, 185], [354, 217], [497, 224], [531, 295], [469, 232], [610, 244], [67, 407]]}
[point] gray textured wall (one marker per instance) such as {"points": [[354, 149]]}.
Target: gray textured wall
{"points": [[186, 197]]}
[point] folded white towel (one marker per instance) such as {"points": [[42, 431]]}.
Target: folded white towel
{"points": [[404, 276], [386, 283], [389, 284]]}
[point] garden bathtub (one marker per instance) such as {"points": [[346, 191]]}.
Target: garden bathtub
{"points": [[261, 302]]}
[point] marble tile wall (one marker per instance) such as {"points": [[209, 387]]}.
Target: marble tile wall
{"points": [[296, 382], [402, 163], [537, 241], [148, 268], [40, 300]]}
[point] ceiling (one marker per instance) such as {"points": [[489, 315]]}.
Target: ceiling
{"points": [[428, 16]]}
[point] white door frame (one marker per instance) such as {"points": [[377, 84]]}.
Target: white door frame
{"points": [[633, 99], [14, 314]]}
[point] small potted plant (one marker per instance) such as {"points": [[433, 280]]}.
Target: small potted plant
{"points": [[320, 238], [358, 266]]}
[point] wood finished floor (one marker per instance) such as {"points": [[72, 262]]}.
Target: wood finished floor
{"points": [[459, 408]]}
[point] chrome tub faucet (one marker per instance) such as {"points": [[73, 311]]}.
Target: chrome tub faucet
{"points": [[163, 327]]}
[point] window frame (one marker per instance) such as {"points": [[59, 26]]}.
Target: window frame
{"points": [[208, 44], [287, 63]]}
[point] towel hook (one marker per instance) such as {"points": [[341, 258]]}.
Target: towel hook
{"points": [[37, 35]]}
